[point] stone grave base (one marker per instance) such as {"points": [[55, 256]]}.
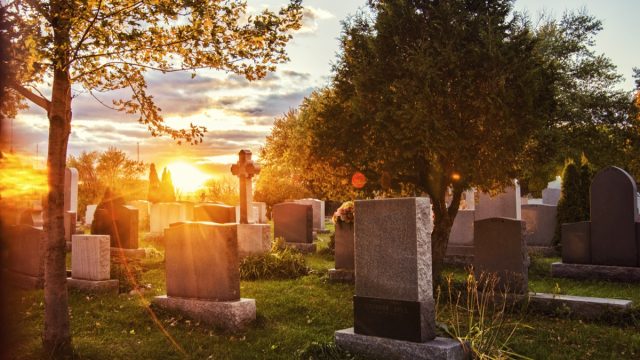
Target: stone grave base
{"points": [[305, 248], [545, 251], [595, 272], [322, 231], [128, 253], [227, 315], [22, 281], [94, 286], [341, 275], [459, 255], [253, 239], [384, 348], [582, 307]]}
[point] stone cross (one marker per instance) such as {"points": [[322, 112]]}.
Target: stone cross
{"points": [[245, 169]]}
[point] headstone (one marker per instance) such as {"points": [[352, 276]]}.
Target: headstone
{"points": [[394, 309], [203, 276], [555, 184], [344, 252], [613, 218], [245, 169], [318, 211], [144, 211], [221, 214], [91, 265], [253, 239], [90, 259], [253, 213], [120, 222], [540, 221], [576, 243], [294, 223], [71, 190], [186, 210], [462, 229], [506, 204], [469, 199], [88, 215], [32, 217], [551, 196], [25, 251], [70, 222], [500, 249], [262, 212]]}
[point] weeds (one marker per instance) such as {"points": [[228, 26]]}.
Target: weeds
{"points": [[279, 263]]}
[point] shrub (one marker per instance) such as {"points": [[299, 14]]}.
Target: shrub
{"points": [[279, 263], [128, 273], [477, 318], [573, 205]]}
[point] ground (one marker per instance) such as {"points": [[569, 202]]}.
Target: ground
{"points": [[294, 314]]}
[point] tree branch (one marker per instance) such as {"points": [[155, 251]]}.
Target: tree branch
{"points": [[86, 32], [36, 99]]}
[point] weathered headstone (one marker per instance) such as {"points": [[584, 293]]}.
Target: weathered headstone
{"points": [[394, 309], [164, 214], [71, 190], [506, 204], [344, 252], [203, 276], [500, 248], [294, 223], [25, 251], [262, 212], [540, 223], [217, 213], [120, 223], [89, 213], [245, 169], [91, 264], [318, 212], [576, 243], [613, 218]]}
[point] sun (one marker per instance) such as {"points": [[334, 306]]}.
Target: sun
{"points": [[187, 178]]}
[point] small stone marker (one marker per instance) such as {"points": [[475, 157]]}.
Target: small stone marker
{"points": [[500, 248], [294, 223], [344, 252], [506, 204], [394, 314], [217, 213], [245, 169], [203, 276], [91, 264], [71, 190], [318, 212], [89, 213], [25, 251]]}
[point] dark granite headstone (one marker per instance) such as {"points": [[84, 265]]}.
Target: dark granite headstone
{"points": [[120, 223], [576, 243], [293, 222], [500, 248], [221, 214], [202, 261], [344, 240], [25, 249], [613, 216]]}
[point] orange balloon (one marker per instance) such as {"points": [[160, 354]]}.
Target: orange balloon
{"points": [[358, 180]]}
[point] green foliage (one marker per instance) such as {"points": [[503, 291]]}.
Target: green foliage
{"points": [[224, 189], [128, 272], [573, 205], [112, 169], [280, 263]]}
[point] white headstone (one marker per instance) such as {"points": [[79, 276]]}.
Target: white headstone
{"points": [[144, 210], [505, 205], [318, 211], [71, 190], [88, 214], [90, 258], [555, 184], [469, 199]]}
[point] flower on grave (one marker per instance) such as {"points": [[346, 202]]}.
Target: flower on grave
{"points": [[345, 213]]}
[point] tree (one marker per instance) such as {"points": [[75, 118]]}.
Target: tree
{"points": [[167, 191], [154, 185], [435, 94], [224, 189], [104, 45], [592, 115]]}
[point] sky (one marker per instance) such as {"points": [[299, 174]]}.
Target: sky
{"points": [[239, 114]]}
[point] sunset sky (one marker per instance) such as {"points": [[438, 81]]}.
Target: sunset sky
{"points": [[239, 114]]}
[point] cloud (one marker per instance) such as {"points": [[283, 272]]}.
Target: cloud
{"points": [[310, 18]]}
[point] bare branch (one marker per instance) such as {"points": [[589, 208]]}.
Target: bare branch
{"points": [[36, 99], [86, 32]]}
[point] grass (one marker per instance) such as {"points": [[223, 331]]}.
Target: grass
{"points": [[291, 316]]}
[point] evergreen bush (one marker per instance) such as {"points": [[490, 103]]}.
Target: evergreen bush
{"points": [[573, 205]]}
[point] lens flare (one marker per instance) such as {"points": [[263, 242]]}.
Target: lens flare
{"points": [[358, 180]]}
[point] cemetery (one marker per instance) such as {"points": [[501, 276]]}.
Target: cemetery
{"points": [[462, 183]]}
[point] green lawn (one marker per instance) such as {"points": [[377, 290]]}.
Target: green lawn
{"points": [[293, 314]]}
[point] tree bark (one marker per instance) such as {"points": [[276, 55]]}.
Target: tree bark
{"points": [[443, 222], [57, 336]]}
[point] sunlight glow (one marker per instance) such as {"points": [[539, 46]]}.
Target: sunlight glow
{"points": [[187, 178]]}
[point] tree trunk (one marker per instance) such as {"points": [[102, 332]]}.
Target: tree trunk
{"points": [[57, 337], [443, 222]]}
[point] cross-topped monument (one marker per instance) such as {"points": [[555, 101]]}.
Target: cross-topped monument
{"points": [[245, 169]]}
